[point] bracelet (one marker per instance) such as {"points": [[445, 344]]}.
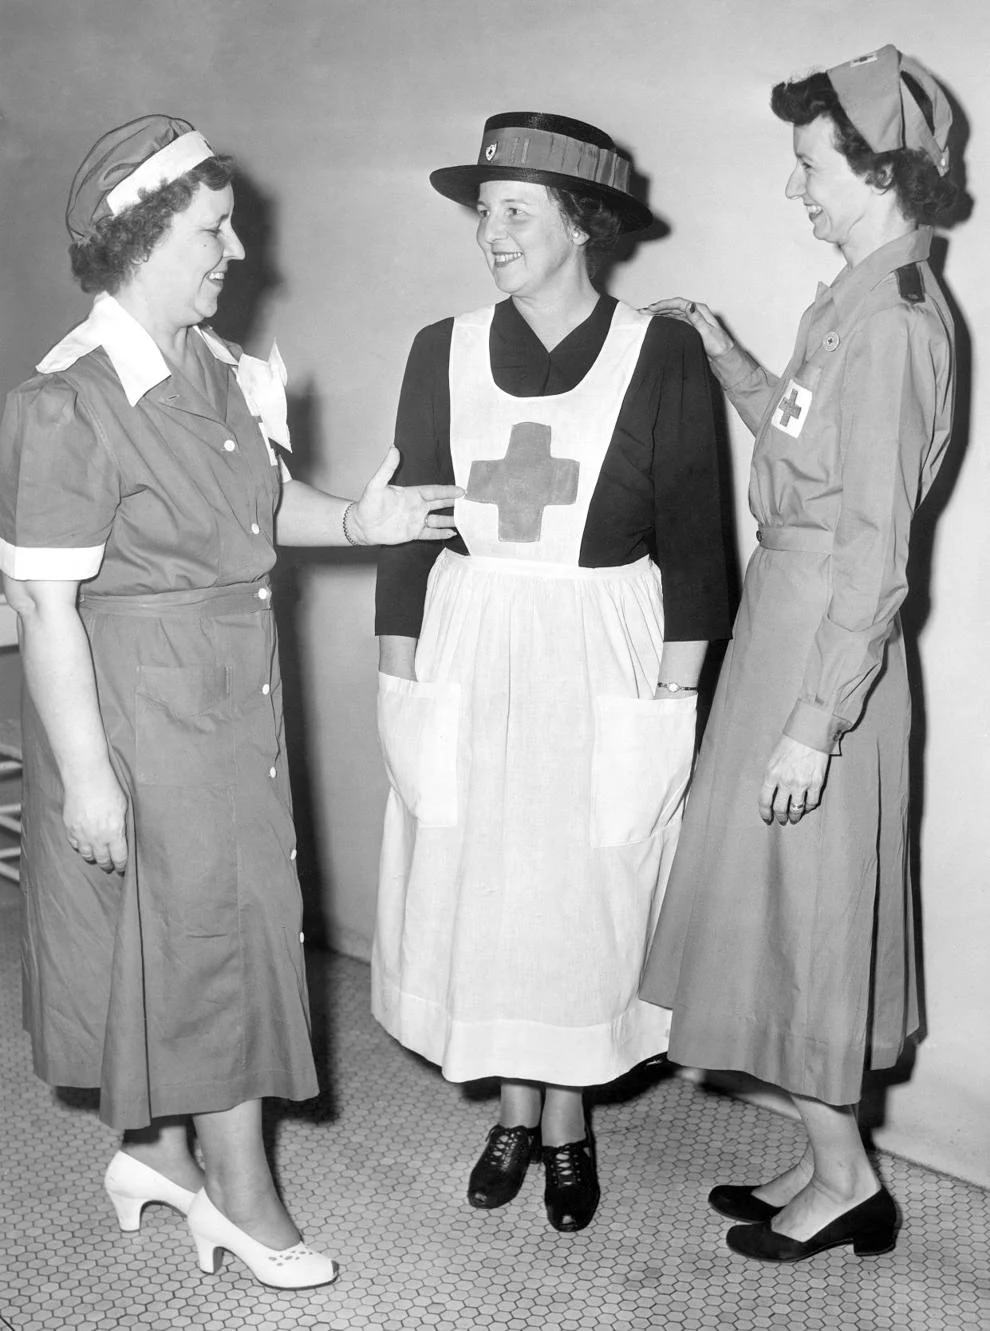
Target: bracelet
{"points": [[677, 688], [350, 539]]}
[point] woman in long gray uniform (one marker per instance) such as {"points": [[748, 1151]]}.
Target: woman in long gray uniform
{"points": [[140, 500], [784, 945]]}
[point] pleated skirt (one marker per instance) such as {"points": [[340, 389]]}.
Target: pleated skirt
{"points": [[178, 988], [788, 952]]}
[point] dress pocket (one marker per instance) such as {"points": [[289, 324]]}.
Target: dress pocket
{"points": [[183, 729], [641, 764], [417, 726]]}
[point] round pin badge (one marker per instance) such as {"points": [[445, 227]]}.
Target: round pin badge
{"points": [[831, 341]]}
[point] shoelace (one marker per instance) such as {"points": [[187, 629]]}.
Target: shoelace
{"points": [[506, 1143], [567, 1164]]}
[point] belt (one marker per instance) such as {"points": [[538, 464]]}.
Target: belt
{"points": [[241, 598], [808, 540]]}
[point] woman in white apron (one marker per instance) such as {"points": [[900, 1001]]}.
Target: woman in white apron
{"points": [[538, 685]]}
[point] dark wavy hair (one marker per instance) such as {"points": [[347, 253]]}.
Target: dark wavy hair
{"points": [[600, 223], [922, 194], [106, 259]]}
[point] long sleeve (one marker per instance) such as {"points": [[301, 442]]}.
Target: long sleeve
{"points": [[690, 546], [748, 386], [422, 436], [892, 399]]}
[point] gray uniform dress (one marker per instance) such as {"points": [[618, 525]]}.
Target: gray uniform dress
{"points": [[180, 987], [786, 952]]}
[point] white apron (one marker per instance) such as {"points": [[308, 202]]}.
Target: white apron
{"points": [[536, 784]]}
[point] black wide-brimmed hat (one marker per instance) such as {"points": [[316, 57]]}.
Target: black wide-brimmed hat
{"points": [[547, 150]]}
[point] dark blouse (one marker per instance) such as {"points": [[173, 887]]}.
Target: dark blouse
{"points": [[657, 492]]}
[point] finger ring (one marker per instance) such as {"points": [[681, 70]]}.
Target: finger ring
{"points": [[797, 806]]}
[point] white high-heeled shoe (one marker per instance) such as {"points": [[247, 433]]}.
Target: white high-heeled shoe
{"points": [[130, 1185], [298, 1267]]}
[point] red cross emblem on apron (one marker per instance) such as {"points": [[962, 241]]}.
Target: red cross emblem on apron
{"points": [[524, 482]]}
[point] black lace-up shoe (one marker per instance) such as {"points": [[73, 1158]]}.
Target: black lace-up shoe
{"points": [[572, 1191], [502, 1165]]}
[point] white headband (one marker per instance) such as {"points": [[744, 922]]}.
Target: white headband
{"points": [[166, 165]]}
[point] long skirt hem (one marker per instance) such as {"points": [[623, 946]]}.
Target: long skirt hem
{"points": [[522, 1050]]}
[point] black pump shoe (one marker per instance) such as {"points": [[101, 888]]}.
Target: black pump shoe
{"points": [[738, 1203], [502, 1165], [871, 1228], [572, 1193]]}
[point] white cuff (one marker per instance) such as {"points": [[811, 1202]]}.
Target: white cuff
{"points": [[35, 563]]}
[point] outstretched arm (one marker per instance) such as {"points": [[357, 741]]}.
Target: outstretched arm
{"points": [[384, 515], [747, 384]]}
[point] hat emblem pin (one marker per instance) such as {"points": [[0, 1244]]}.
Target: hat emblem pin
{"points": [[490, 151]]}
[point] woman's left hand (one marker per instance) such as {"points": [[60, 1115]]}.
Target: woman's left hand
{"points": [[792, 784], [391, 514]]}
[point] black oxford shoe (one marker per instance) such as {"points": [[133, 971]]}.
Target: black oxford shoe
{"points": [[502, 1165], [571, 1194]]}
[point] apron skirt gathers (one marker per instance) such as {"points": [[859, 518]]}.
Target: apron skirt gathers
{"points": [[535, 803], [178, 988], [787, 952]]}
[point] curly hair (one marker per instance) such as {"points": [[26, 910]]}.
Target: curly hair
{"points": [[108, 257], [600, 223], [922, 194]]}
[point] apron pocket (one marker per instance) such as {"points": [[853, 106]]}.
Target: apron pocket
{"points": [[417, 727], [183, 731], [640, 766]]}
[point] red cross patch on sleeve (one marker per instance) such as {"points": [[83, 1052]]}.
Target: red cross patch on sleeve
{"points": [[792, 409]]}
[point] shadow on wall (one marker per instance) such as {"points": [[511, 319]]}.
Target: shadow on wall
{"points": [[914, 615], [250, 283]]}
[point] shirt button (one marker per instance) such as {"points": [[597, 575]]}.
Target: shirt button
{"points": [[271, 771], [302, 938], [266, 689], [263, 593], [229, 445], [255, 528], [292, 854]]}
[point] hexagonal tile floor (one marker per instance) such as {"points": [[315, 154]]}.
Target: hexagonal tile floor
{"points": [[375, 1170]]}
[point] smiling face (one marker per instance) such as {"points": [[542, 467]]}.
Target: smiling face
{"points": [[840, 204], [528, 244], [183, 276]]}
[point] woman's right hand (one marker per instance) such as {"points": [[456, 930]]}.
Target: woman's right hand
{"points": [[715, 339], [95, 814]]}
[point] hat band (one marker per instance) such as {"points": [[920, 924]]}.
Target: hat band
{"points": [[540, 150], [161, 168]]}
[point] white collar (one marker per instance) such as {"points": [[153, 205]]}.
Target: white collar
{"points": [[133, 352]]}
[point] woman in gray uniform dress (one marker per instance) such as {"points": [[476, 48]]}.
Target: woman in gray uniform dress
{"points": [[784, 944], [140, 500]]}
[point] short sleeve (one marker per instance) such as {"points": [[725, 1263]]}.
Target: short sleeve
{"points": [[59, 486]]}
